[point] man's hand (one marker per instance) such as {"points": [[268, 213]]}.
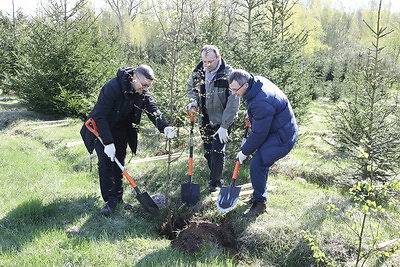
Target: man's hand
{"points": [[110, 151], [223, 135], [191, 104], [241, 157], [169, 132]]}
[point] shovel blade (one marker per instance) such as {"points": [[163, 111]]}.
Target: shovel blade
{"points": [[227, 198], [148, 203], [190, 193]]}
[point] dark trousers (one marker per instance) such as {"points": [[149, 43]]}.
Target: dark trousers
{"points": [[259, 176], [214, 152], [109, 173]]}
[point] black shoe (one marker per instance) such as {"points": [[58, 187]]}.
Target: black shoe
{"points": [[126, 205], [109, 207], [249, 200], [213, 186], [256, 209]]}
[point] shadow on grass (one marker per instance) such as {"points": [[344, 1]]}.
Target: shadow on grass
{"points": [[78, 218], [209, 255]]}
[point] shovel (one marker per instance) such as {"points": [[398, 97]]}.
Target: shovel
{"points": [[144, 199], [190, 192], [229, 195]]}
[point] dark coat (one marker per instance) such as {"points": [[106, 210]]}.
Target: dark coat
{"points": [[274, 129], [119, 108]]}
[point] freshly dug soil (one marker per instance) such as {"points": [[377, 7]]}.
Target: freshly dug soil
{"points": [[197, 231]]}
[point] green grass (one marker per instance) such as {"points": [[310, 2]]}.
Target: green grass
{"points": [[50, 203]]}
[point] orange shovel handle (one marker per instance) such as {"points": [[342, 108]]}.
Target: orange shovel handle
{"points": [[246, 119], [131, 181], [91, 125], [236, 170], [192, 112], [190, 171]]}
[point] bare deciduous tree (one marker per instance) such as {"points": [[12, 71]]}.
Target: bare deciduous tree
{"points": [[122, 7]]}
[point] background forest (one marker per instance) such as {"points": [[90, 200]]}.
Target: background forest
{"points": [[56, 61]]}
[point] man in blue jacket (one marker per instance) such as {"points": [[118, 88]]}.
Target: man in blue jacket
{"points": [[117, 113], [273, 131]]}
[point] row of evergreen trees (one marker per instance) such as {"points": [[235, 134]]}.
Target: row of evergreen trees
{"points": [[57, 60]]}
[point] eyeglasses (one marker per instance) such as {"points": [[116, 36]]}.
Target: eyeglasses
{"points": [[235, 90], [144, 86]]}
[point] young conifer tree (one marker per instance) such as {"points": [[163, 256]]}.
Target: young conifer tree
{"points": [[368, 118]]}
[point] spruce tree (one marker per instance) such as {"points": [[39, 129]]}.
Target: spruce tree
{"points": [[367, 121]]}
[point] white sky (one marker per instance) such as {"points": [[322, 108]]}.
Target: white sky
{"points": [[29, 6]]}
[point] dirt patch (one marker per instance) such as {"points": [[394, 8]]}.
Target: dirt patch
{"points": [[196, 231]]}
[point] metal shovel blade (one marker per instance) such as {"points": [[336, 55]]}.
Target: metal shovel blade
{"points": [[144, 199], [190, 193], [148, 203], [227, 198]]}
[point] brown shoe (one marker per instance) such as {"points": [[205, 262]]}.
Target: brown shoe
{"points": [[256, 209]]}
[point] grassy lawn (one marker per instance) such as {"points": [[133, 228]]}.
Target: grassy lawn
{"points": [[50, 203]]}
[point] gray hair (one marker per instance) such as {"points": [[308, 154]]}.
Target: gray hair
{"points": [[145, 71], [209, 48], [240, 76]]}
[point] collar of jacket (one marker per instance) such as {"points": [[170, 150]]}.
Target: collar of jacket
{"points": [[125, 75], [220, 73], [254, 87]]}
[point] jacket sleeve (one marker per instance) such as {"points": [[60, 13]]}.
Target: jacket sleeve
{"points": [[261, 114], [102, 111], [154, 113], [230, 112]]}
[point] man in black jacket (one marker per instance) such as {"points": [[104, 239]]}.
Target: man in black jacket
{"points": [[117, 114]]}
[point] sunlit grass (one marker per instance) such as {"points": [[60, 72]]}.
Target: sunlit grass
{"points": [[50, 203]]}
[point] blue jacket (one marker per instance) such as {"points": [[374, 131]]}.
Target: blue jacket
{"points": [[274, 129], [118, 107]]}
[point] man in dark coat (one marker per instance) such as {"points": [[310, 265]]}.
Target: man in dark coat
{"points": [[117, 114], [208, 88], [273, 131]]}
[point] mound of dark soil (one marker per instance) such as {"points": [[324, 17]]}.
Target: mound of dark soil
{"points": [[198, 231]]}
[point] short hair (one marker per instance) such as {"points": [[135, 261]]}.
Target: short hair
{"points": [[146, 71], [210, 48], [240, 76]]}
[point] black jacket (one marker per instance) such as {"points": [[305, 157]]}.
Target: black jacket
{"points": [[119, 107]]}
